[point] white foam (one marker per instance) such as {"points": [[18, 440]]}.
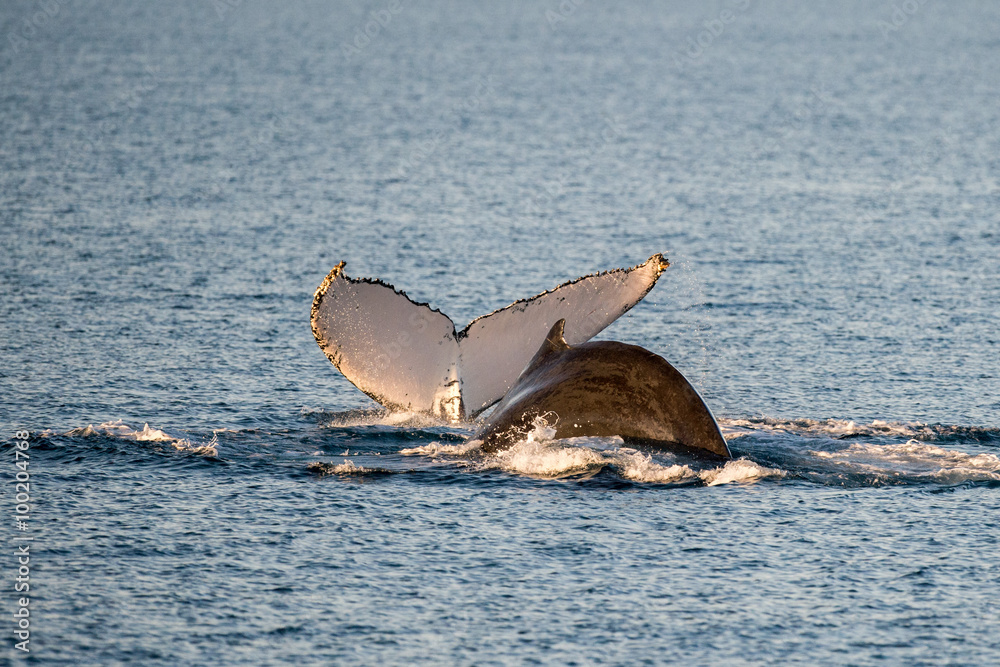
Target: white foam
{"points": [[539, 455], [119, 429], [355, 418], [348, 467], [538, 458], [838, 428], [148, 434], [438, 449], [640, 467], [919, 460], [740, 471], [208, 449]]}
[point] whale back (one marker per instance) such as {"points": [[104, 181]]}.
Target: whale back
{"points": [[604, 388]]}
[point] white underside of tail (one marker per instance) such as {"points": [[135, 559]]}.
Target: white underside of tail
{"points": [[408, 356]]}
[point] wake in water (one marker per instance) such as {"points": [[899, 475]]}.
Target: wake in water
{"points": [[877, 454], [540, 455], [843, 428], [366, 443], [120, 430], [767, 449], [914, 460]]}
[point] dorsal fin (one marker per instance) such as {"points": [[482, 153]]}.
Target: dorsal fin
{"points": [[556, 339], [554, 342]]}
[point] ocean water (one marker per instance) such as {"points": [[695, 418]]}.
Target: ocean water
{"points": [[177, 178]]}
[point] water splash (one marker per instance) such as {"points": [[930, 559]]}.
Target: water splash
{"points": [[348, 467], [540, 455], [374, 417], [434, 449], [739, 471], [846, 428], [917, 461], [119, 429]]}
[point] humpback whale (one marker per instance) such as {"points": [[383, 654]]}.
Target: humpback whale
{"points": [[603, 388], [409, 356]]}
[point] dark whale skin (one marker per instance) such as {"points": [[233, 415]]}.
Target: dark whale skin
{"points": [[604, 388]]}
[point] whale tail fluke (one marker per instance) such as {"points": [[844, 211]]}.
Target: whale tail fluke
{"points": [[401, 353], [408, 356]]}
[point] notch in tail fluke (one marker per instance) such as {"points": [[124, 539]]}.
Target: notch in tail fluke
{"points": [[408, 356]]}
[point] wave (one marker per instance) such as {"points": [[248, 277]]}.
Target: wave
{"points": [[566, 458], [346, 469], [829, 452], [373, 417], [740, 470], [917, 461], [435, 448], [120, 430], [382, 424], [845, 428], [539, 455], [808, 450]]}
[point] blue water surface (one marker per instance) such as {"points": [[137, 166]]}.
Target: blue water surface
{"points": [[177, 178]]}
